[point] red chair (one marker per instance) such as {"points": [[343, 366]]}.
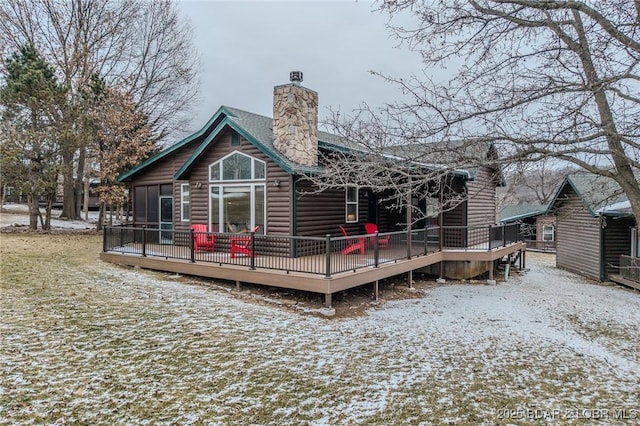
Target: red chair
{"points": [[240, 245], [371, 229], [354, 244], [201, 239]]}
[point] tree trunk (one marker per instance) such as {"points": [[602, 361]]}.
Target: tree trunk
{"points": [[47, 222], [4, 191], [79, 181], [33, 212], [100, 216], [85, 198], [68, 197]]}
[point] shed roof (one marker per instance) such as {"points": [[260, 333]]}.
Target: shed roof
{"points": [[513, 212], [600, 195]]}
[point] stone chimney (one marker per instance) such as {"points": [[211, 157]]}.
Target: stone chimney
{"points": [[295, 121]]}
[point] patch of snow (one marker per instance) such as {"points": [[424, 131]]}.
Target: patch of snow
{"points": [[138, 348], [18, 215]]}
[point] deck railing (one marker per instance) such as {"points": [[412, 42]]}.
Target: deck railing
{"points": [[317, 255], [630, 268]]}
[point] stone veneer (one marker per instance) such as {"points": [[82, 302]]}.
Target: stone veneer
{"points": [[295, 123]]}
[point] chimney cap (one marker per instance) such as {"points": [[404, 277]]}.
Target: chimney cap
{"points": [[295, 77]]}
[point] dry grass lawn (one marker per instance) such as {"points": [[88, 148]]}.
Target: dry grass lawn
{"points": [[85, 342]]}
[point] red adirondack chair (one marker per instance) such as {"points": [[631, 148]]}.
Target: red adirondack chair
{"points": [[370, 229], [240, 245], [353, 244], [202, 241]]}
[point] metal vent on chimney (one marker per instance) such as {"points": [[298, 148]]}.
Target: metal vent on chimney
{"points": [[295, 77]]}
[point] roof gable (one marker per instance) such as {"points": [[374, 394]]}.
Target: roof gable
{"points": [[596, 193], [213, 122], [257, 130]]}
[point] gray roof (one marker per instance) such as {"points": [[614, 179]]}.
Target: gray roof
{"points": [[258, 129], [261, 128], [469, 154], [600, 194], [515, 212]]}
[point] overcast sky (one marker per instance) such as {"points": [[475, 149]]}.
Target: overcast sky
{"points": [[246, 48]]}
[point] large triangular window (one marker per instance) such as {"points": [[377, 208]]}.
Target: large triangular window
{"points": [[238, 191], [237, 166]]}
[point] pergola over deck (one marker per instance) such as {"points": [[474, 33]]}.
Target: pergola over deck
{"points": [[320, 265]]}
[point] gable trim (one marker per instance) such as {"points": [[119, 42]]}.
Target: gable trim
{"points": [[176, 147], [228, 122], [567, 181]]}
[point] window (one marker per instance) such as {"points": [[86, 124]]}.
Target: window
{"points": [[235, 139], [547, 232], [237, 166], [351, 208], [184, 202], [146, 204], [237, 206]]}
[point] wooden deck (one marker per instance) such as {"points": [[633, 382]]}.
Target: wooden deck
{"points": [[317, 282]]}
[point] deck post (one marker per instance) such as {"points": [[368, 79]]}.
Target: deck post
{"points": [[504, 235], [327, 272], [425, 240], [104, 239], [252, 265], [144, 240], [327, 300], [489, 238], [410, 279], [490, 265], [237, 285], [375, 290], [441, 237], [191, 248], [121, 237], [524, 259], [520, 259], [376, 251]]}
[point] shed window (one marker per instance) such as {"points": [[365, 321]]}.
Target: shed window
{"points": [[351, 204], [547, 232], [184, 202]]}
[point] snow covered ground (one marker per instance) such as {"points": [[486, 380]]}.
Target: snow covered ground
{"points": [[16, 215], [92, 343]]}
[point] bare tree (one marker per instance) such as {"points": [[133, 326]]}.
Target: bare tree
{"points": [[539, 79], [139, 46], [533, 183]]}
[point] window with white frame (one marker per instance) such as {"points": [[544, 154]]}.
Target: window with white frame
{"points": [[237, 193], [184, 202], [547, 232], [351, 204]]}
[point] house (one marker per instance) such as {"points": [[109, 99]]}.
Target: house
{"points": [[243, 172], [539, 229], [593, 225]]}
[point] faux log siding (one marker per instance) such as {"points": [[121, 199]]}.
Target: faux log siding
{"points": [[162, 173], [617, 241], [279, 211], [578, 238], [320, 214], [481, 206]]}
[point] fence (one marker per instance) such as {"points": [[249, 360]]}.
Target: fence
{"points": [[317, 255], [487, 237], [630, 268]]}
